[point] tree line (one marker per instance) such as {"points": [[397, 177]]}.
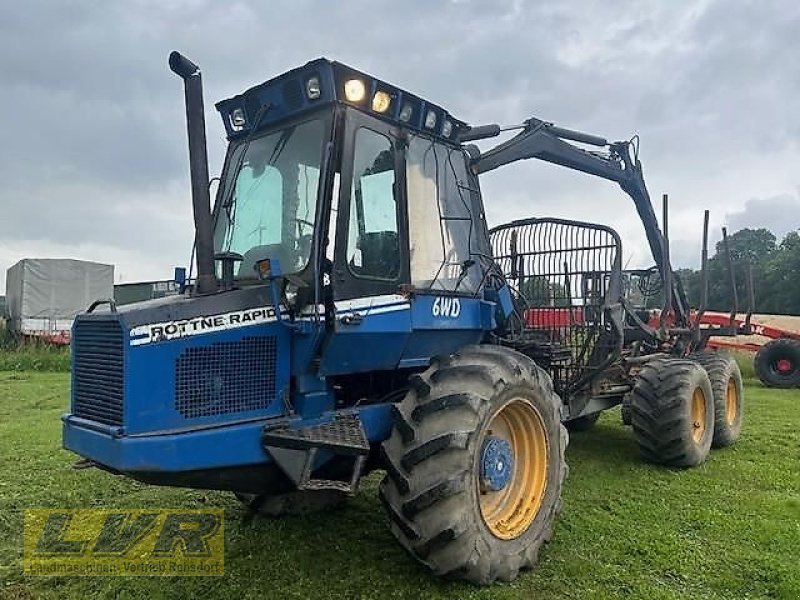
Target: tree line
{"points": [[775, 267]]}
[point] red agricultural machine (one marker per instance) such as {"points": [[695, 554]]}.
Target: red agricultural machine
{"points": [[777, 362]]}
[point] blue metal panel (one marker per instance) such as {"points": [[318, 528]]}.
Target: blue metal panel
{"points": [[181, 382], [443, 324], [307, 335], [373, 341], [377, 420], [208, 369], [232, 445]]}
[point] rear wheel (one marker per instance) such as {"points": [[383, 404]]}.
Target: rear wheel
{"points": [[777, 363], [672, 412], [475, 465], [726, 385]]}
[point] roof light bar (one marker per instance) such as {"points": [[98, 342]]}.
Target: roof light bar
{"points": [[322, 82]]}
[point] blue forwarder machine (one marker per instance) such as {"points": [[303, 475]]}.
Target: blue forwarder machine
{"points": [[352, 311]]}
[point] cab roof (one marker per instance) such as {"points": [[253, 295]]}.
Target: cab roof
{"points": [[322, 82]]}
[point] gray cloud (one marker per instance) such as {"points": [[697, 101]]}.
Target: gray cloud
{"points": [[94, 158], [780, 214]]}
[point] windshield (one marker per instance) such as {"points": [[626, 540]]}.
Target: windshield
{"points": [[269, 199]]}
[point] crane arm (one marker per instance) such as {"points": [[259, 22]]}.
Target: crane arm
{"points": [[545, 141]]}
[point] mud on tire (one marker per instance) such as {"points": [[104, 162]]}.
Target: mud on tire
{"points": [[433, 490]]}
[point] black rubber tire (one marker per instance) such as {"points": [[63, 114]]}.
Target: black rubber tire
{"points": [[661, 412], [430, 491], [722, 370], [625, 410], [291, 503], [766, 360], [584, 423]]}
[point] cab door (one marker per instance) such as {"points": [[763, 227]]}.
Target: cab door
{"points": [[372, 320]]}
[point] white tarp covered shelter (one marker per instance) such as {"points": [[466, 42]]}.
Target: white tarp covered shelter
{"points": [[43, 295]]}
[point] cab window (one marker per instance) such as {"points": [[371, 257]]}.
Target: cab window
{"points": [[373, 244], [443, 229]]}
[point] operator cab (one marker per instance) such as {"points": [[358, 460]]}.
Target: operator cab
{"points": [[349, 184]]}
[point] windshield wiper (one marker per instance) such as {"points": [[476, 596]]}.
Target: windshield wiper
{"points": [[227, 200], [280, 146]]}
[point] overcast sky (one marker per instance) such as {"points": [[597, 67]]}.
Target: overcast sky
{"points": [[94, 164]]}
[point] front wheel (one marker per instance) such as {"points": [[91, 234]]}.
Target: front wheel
{"points": [[475, 465]]}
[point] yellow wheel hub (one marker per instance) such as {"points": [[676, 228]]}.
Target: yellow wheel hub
{"points": [[698, 415], [731, 402], [508, 512]]}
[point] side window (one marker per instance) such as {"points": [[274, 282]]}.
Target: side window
{"points": [[442, 229], [373, 245]]}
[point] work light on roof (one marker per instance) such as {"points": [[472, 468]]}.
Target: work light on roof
{"points": [[406, 112], [354, 90], [312, 88], [323, 84], [430, 120], [381, 101], [447, 128], [237, 119]]}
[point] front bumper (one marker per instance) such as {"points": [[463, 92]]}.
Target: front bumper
{"points": [[231, 445]]}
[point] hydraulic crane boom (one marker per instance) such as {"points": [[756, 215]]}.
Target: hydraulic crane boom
{"points": [[545, 141]]}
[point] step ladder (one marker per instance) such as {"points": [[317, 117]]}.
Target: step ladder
{"points": [[295, 451]]}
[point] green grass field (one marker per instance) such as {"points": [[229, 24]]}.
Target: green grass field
{"points": [[728, 529]]}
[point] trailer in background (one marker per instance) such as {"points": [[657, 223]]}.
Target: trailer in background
{"points": [[776, 362], [43, 295], [128, 293]]}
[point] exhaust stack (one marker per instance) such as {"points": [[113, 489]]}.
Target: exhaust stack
{"points": [[198, 168]]}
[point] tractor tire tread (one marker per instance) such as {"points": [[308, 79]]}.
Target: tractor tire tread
{"points": [[766, 356], [661, 412], [721, 368], [426, 484]]}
